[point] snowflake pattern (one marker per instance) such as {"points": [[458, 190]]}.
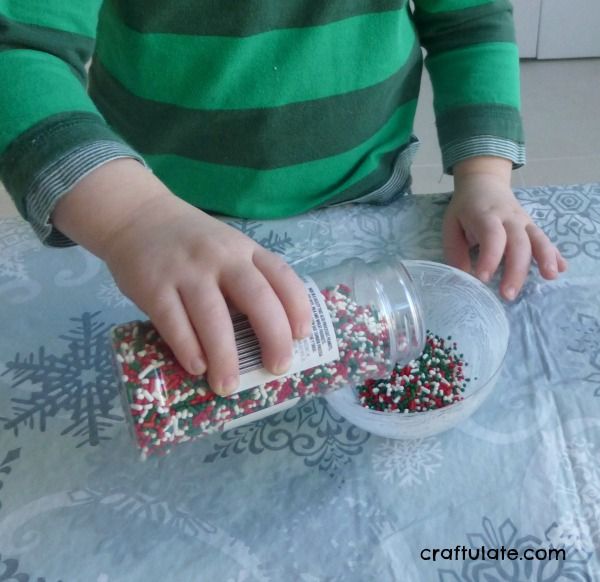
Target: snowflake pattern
{"points": [[137, 510], [326, 241], [569, 215], [111, 296], [574, 568], [322, 524], [585, 339], [571, 532], [10, 572], [272, 241], [5, 465], [407, 463], [15, 242], [310, 430], [80, 382], [581, 459]]}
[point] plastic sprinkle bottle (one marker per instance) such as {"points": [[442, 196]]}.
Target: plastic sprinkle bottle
{"points": [[367, 319]]}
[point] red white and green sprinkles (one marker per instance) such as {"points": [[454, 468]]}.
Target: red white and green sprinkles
{"points": [[433, 380], [169, 406]]}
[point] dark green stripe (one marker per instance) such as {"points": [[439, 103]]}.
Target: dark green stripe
{"points": [[73, 48], [263, 138], [370, 182], [44, 143], [241, 18], [492, 119], [265, 70], [281, 191], [434, 6], [444, 31]]}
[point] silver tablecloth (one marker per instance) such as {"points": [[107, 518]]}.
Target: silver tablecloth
{"points": [[302, 495]]}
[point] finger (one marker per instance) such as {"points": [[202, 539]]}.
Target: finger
{"points": [[172, 323], [456, 249], [289, 288], [210, 317], [517, 259], [491, 236], [250, 293], [543, 251], [563, 264]]}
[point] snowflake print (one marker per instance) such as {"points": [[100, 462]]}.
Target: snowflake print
{"points": [[321, 437], [110, 295], [574, 567], [585, 339], [571, 532], [569, 215], [581, 459], [15, 241], [80, 382], [585, 334], [407, 462], [5, 465], [10, 570], [272, 241]]}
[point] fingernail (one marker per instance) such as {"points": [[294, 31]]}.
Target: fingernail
{"points": [[305, 330], [510, 293], [484, 276], [198, 366], [283, 365], [551, 268], [227, 386]]}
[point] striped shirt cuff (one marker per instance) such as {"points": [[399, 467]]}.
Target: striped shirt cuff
{"points": [[58, 178], [482, 145]]}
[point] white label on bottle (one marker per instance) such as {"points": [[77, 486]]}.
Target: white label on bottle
{"points": [[317, 349], [254, 416]]}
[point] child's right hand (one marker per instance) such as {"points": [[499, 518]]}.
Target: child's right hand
{"points": [[183, 268]]}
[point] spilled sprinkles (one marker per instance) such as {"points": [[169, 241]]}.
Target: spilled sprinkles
{"points": [[168, 406], [433, 380]]}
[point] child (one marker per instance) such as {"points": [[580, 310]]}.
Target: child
{"points": [[258, 109]]}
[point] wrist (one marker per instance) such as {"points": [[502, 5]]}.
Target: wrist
{"points": [[498, 169], [102, 203]]}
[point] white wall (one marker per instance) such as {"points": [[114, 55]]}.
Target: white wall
{"points": [[558, 29]]}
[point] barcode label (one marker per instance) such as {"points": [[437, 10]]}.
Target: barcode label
{"points": [[246, 343], [317, 349]]}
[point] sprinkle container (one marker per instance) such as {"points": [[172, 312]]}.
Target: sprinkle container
{"points": [[366, 318], [454, 304]]}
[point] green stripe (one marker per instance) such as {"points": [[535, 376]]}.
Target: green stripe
{"points": [[268, 70], [75, 49], [255, 138], [452, 30], [285, 191], [34, 74], [462, 123], [78, 17], [434, 6], [484, 73], [212, 18]]}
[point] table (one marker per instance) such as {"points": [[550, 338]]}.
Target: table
{"points": [[302, 495]]}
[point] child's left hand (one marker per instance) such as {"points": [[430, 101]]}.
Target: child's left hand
{"points": [[484, 211]]}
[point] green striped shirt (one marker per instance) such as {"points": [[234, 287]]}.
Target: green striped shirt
{"points": [[259, 109]]}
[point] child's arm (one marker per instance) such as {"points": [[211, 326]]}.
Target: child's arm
{"points": [[473, 62], [484, 211], [58, 158], [179, 265]]}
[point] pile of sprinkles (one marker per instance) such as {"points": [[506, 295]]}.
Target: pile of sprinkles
{"points": [[433, 380], [169, 406]]}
